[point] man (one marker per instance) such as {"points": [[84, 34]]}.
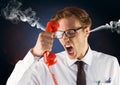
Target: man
{"points": [[73, 32]]}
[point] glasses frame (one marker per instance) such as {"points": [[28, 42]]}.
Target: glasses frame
{"points": [[65, 32]]}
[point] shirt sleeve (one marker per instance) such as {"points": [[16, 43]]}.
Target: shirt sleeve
{"points": [[28, 79], [20, 68], [116, 73]]}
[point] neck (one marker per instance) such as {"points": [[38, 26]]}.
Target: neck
{"points": [[85, 50]]}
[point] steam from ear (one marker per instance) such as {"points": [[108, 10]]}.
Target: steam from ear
{"points": [[13, 13], [114, 26]]}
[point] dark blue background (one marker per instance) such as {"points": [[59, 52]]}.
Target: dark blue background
{"points": [[17, 39]]}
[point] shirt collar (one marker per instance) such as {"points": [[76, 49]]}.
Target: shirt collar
{"points": [[87, 58]]}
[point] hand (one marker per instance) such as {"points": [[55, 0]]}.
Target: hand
{"points": [[44, 43]]}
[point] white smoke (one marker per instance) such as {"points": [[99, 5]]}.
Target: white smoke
{"points": [[114, 26], [13, 13]]}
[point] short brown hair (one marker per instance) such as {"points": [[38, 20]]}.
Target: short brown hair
{"points": [[79, 13]]}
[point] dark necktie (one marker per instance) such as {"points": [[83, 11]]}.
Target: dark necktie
{"points": [[81, 79]]}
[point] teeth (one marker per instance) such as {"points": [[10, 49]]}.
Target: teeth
{"points": [[68, 46]]}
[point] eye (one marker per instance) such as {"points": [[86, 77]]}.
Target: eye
{"points": [[70, 32]]}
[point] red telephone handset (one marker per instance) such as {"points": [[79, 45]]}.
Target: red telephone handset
{"points": [[50, 57]]}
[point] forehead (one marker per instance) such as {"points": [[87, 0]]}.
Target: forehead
{"points": [[68, 23]]}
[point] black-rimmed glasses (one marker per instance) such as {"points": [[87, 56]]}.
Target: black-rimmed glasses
{"points": [[69, 33]]}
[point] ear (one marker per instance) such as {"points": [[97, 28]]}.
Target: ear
{"points": [[87, 31]]}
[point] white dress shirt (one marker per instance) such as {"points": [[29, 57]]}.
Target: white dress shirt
{"points": [[99, 68]]}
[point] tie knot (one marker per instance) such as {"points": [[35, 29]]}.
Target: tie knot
{"points": [[80, 64]]}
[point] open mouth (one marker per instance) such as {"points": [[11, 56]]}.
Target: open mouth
{"points": [[69, 50]]}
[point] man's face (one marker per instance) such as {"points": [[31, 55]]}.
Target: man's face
{"points": [[76, 46]]}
